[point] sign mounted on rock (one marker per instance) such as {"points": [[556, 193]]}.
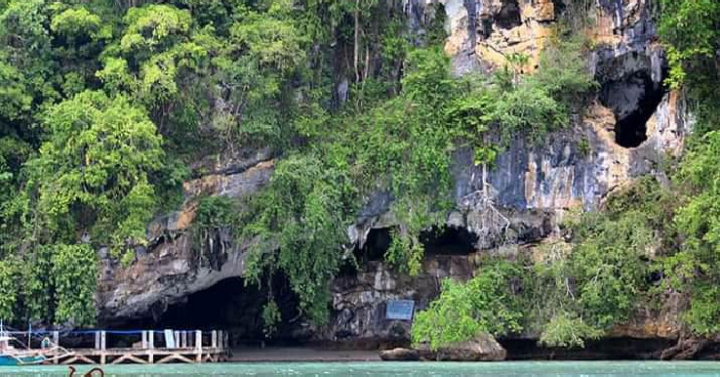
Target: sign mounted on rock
{"points": [[399, 309]]}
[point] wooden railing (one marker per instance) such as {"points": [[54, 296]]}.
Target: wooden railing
{"points": [[181, 346]]}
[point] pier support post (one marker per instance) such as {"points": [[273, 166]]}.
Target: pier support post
{"points": [[198, 346], [144, 343], [151, 346], [183, 339], [214, 339], [56, 345], [103, 347], [97, 340]]}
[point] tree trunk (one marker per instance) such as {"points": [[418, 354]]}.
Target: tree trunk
{"points": [[356, 52]]}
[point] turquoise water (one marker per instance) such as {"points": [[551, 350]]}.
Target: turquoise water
{"points": [[514, 369]]}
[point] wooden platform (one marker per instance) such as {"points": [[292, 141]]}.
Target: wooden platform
{"points": [[186, 347], [136, 356]]}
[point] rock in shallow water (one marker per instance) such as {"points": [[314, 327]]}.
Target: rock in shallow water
{"points": [[400, 354], [483, 348]]}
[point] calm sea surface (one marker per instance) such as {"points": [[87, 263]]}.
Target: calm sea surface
{"points": [[539, 369]]}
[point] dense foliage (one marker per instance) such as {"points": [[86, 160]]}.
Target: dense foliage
{"points": [[104, 106], [487, 303], [569, 292], [690, 32], [647, 238]]}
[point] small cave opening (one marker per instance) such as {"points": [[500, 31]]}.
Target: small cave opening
{"points": [[509, 15], [633, 99], [233, 306], [438, 240], [448, 240], [377, 244]]}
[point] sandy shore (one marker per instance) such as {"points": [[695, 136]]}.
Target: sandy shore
{"points": [[247, 354]]}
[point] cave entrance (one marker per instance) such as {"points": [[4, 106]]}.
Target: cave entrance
{"points": [[377, 244], [439, 240], [509, 15], [231, 305], [633, 99], [446, 240]]}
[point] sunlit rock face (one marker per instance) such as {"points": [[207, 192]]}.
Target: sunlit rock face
{"points": [[171, 268], [623, 133]]}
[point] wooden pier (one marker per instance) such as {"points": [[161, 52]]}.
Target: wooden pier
{"points": [[175, 347]]}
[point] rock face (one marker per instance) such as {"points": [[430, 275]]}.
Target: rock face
{"points": [[359, 301], [483, 348], [170, 268], [626, 132], [400, 354]]}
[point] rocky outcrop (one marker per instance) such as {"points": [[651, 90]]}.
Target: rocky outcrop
{"points": [[359, 300], [170, 268], [626, 132], [400, 354], [483, 348]]}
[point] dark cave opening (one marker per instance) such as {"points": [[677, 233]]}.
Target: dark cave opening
{"points": [[442, 240], [448, 240], [377, 244], [633, 99], [509, 15], [232, 306]]}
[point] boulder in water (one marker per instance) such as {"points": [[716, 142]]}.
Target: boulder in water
{"points": [[400, 354], [483, 348]]}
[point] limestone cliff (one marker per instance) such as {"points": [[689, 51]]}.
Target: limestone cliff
{"points": [[626, 132]]}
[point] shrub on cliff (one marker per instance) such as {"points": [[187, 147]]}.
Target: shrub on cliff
{"points": [[485, 304]]}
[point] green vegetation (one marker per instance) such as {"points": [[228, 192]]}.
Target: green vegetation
{"points": [[689, 29], [74, 284], [486, 303], [102, 108], [690, 32], [403, 146], [105, 105], [213, 215], [577, 291], [570, 292]]}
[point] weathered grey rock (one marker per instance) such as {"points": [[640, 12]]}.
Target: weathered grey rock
{"points": [[400, 354], [483, 348], [359, 300], [532, 185], [170, 268]]}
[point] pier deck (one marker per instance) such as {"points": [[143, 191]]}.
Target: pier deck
{"points": [[177, 346]]}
